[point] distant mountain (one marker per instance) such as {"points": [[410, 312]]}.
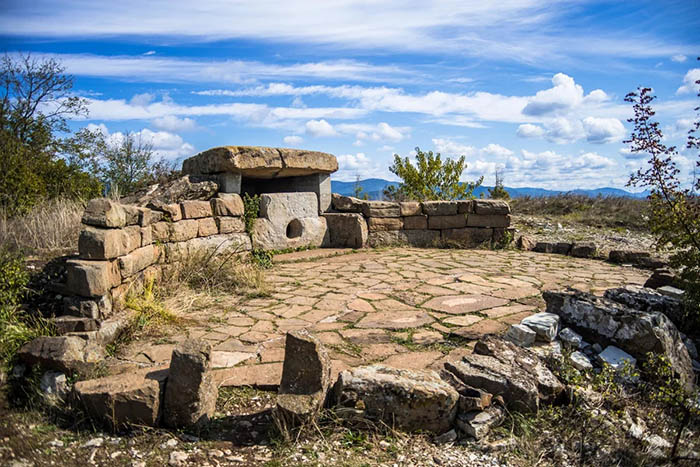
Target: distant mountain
{"points": [[375, 186]]}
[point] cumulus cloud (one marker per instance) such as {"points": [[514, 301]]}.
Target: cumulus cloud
{"points": [[173, 123], [528, 130], [293, 140], [564, 95], [689, 85], [320, 129], [603, 130], [165, 144], [380, 132]]}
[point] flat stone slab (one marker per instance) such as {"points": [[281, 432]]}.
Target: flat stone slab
{"points": [[395, 320], [260, 162], [461, 304]]}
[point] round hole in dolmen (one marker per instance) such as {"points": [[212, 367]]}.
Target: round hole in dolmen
{"points": [[295, 229]]}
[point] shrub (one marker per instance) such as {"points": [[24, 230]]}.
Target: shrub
{"points": [[251, 209], [431, 179], [498, 192]]}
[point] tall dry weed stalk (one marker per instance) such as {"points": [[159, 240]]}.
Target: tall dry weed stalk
{"points": [[50, 228]]}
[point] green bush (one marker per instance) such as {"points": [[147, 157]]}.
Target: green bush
{"points": [[13, 278], [251, 205]]}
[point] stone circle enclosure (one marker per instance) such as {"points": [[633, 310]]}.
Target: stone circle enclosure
{"points": [[124, 244]]}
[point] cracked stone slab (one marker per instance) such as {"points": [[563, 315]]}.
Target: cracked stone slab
{"points": [[395, 320], [462, 304]]}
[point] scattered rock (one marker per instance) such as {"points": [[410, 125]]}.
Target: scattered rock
{"points": [[649, 300], [54, 383], [611, 323], [570, 338], [520, 335], [67, 354], [177, 458], [408, 399], [584, 250], [184, 188], [672, 292], [659, 278], [478, 424], [580, 361], [93, 443], [641, 259], [504, 369], [124, 399], [545, 325], [306, 377], [447, 437], [616, 358], [190, 395], [526, 243]]}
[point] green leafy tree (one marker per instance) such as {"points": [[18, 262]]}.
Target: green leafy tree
{"points": [[498, 192], [430, 179], [358, 191], [127, 164], [675, 210]]}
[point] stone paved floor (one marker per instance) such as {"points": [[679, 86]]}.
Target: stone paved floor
{"points": [[405, 307]]}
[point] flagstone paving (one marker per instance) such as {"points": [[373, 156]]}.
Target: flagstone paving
{"points": [[405, 307]]}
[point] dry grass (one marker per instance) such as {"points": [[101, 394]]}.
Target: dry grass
{"points": [[227, 270], [50, 229], [630, 213]]}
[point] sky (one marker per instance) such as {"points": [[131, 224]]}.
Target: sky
{"points": [[532, 88]]}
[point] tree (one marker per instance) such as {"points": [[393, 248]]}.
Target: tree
{"points": [[358, 191], [430, 179], [126, 165], [675, 210], [35, 102], [498, 192]]}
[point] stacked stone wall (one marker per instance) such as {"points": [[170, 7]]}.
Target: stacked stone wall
{"points": [[121, 246], [467, 223]]}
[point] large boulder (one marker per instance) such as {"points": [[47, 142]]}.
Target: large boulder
{"points": [[636, 332], [346, 230], [191, 392], [406, 399], [184, 188], [649, 300], [132, 398], [67, 354], [306, 377], [504, 369]]}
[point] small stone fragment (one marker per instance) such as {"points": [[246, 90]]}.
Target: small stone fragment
{"points": [[521, 335], [580, 361], [546, 325], [570, 338], [477, 424], [616, 358]]}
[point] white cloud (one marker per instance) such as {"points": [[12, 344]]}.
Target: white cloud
{"points": [[679, 58], [689, 85], [142, 100], [528, 130], [379, 132], [563, 130], [150, 52], [293, 140], [564, 95], [452, 148], [603, 130], [165, 144], [320, 129], [173, 123], [496, 150]]}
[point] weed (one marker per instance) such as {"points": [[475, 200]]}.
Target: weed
{"points": [[262, 257], [251, 209]]}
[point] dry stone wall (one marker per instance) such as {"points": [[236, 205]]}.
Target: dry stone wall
{"points": [[467, 223], [121, 246]]}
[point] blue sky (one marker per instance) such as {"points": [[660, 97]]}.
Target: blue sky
{"points": [[533, 88]]}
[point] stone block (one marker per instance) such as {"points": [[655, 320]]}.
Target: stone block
{"points": [[616, 358], [491, 206], [415, 222], [283, 207], [381, 209], [465, 206], [422, 238], [87, 307], [526, 243], [102, 212], [477, 424], [407, 399], [520, 335], [570, 338], [580, 361], [306, 378], [66, 324], [131, 398], [238, 241], [67, 354], [92, 278], [410, 208], [468, 237], [160, 231], [227, 204], [149, 216], [546, 325], [230, 224], [138, 260], [171, 212], [346, 203], [146, 235], [229, 182], [346, 230], [191, 392], [387, 238], [439, 222], [207, 227], [583, 250], [195, 209], [440, 208], [95, 243], [132, 214], [384, 223], [184, 230], [488, 220]]}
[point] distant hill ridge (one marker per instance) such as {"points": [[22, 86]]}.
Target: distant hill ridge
{"points": [[375, 186]]}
